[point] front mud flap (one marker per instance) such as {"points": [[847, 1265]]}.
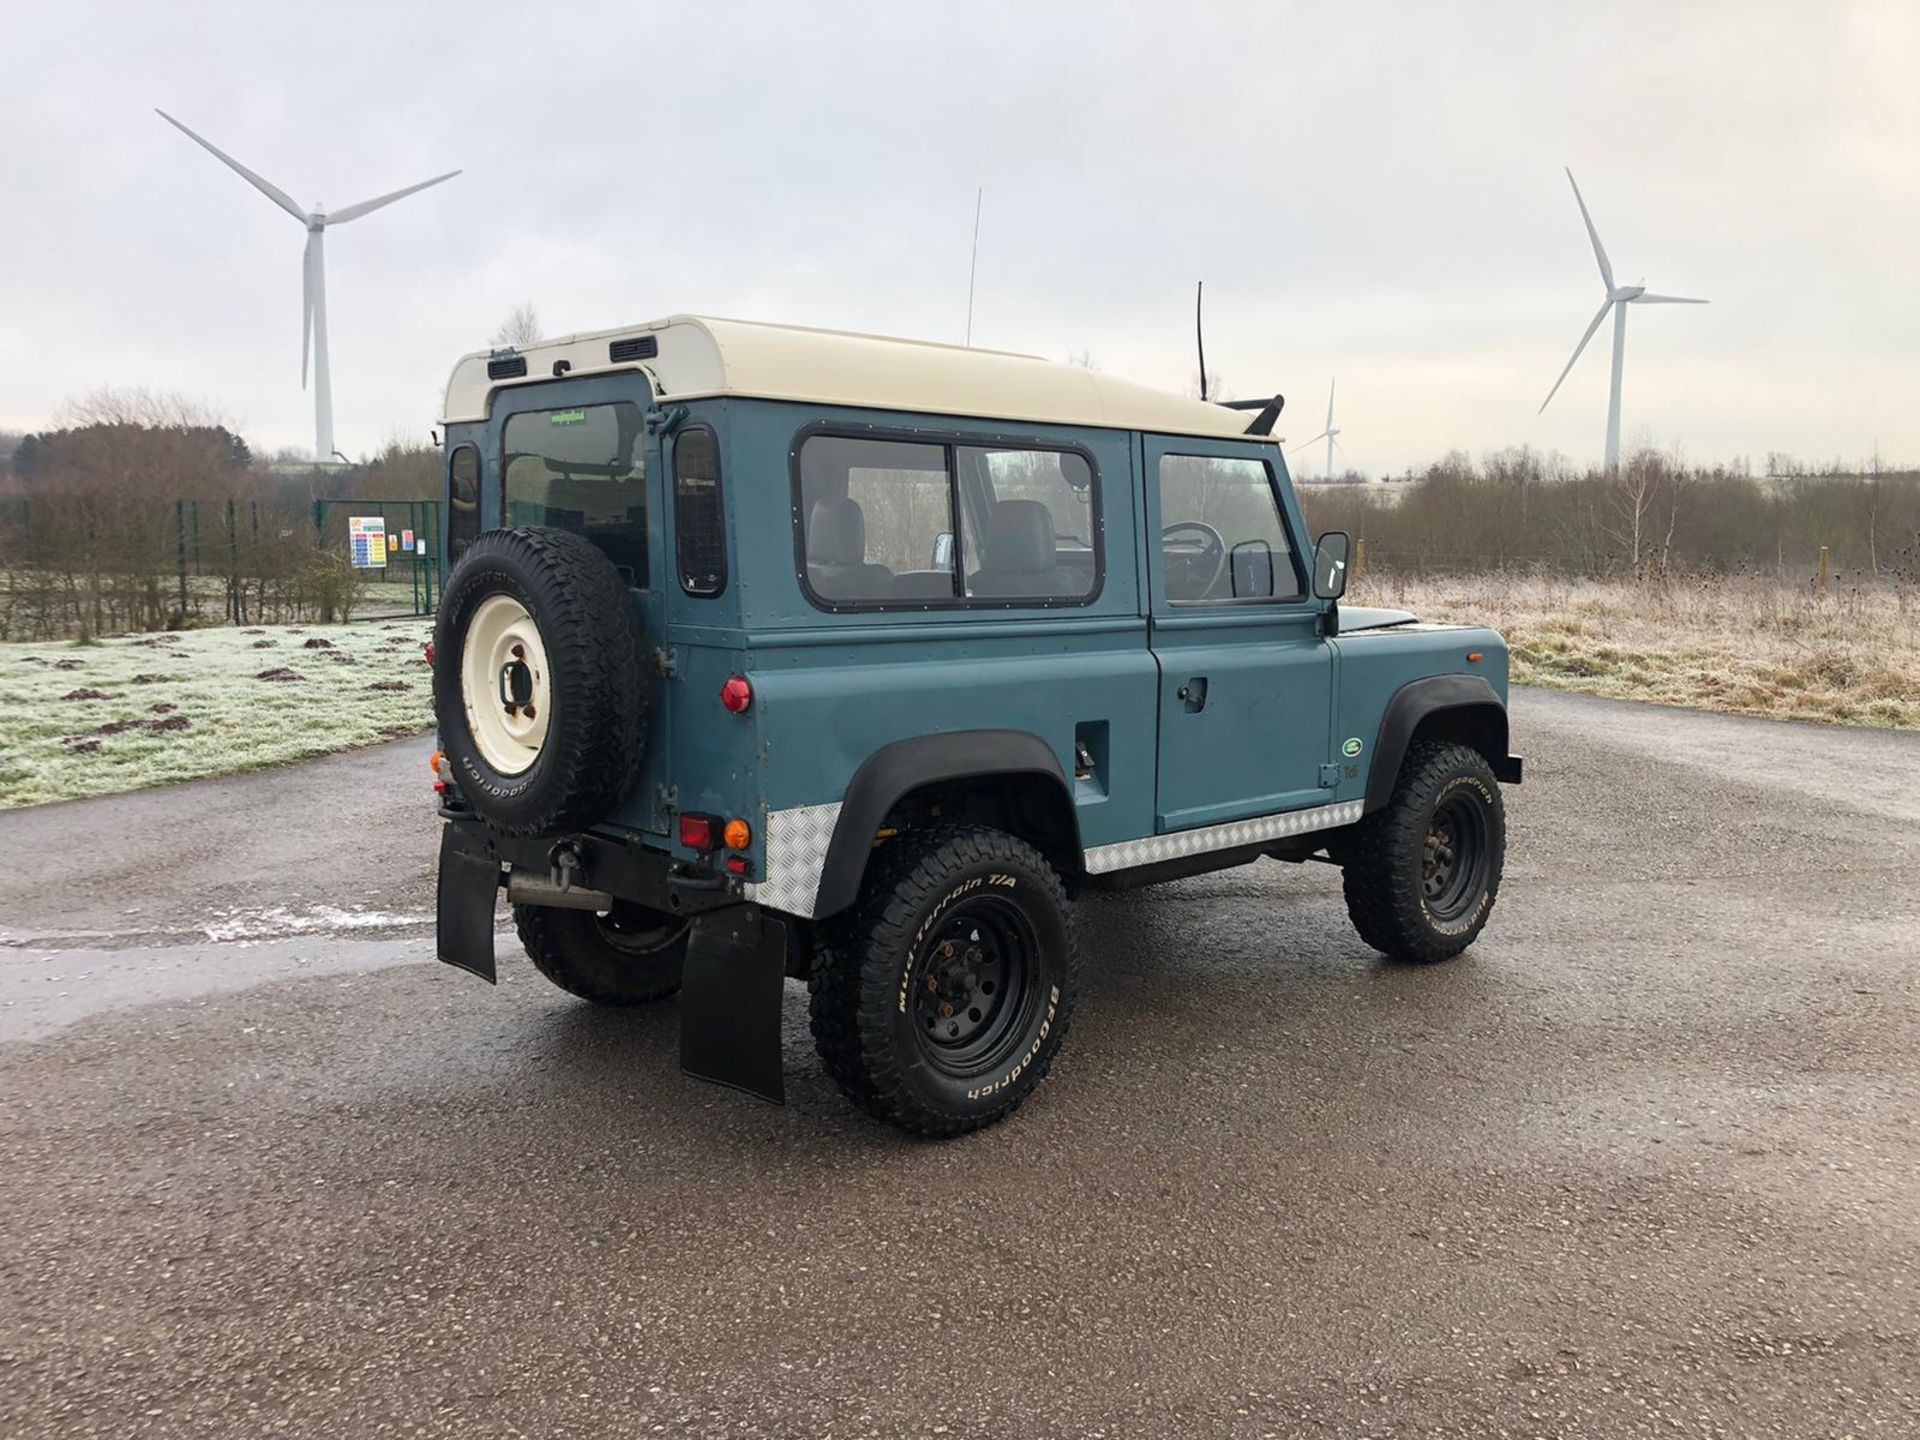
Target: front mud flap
{"points": [[730, 998], [463, 907]]}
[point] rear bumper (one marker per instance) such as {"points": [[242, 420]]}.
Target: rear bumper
{"points": [[475, 862], [737, 957], [1507, 771]]}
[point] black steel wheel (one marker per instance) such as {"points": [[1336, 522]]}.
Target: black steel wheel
{"points": [[1422, 873], [940, 999], [1455, 857], [629, 956]]}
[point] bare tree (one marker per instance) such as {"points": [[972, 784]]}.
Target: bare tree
{"points": [[521, 327], [1084, 359]]}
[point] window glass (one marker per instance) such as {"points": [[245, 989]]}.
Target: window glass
{"points": [[699, 533], [463, 501], [1222, 536], [582, 469], [1031, 537], [878, 520]]}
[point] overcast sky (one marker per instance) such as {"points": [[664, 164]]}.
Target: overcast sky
{"points": [[1372, 192]]}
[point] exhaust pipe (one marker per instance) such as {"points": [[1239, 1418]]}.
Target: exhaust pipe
{"points": [[527, 887]]}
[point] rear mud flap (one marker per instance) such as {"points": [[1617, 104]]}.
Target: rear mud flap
{"points": [[730, 997], [463, 908]]}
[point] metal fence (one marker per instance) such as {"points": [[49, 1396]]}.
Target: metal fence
{"points": [[92, 564]]}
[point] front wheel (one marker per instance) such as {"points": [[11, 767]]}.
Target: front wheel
{"points": [[628, 956], [1422, 873], [940, 1000]]}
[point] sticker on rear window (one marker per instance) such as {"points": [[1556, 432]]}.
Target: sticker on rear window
{"points": [[567, 417]]}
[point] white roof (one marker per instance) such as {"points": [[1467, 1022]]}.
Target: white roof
{"points": [[699, 356]]}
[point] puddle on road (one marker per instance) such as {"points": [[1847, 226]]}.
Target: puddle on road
{"points": [[44, 990]]}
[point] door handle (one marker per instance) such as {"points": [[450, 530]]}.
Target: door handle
{"points": [[1194, 694]]}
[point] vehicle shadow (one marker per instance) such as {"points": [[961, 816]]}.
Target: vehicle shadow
{"points": [[1259, 969]]}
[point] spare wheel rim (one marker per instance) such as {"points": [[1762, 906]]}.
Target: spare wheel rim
{"points": [[504, 685]]}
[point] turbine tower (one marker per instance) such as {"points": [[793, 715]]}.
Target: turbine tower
{"points": [[313, 310], [1330, 434], [1618, 298]]}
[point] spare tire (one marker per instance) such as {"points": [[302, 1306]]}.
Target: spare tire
{"points": [[537, 683]]}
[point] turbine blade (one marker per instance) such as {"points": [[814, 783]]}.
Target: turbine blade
{"points": [[1330, 385], [1304, 443], [1664, 300], [306, 307], [365, 207], [1598, 316], [1599, 250], [265, 187]]}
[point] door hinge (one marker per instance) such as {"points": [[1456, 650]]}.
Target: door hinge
{"points": [[1329, 776]]}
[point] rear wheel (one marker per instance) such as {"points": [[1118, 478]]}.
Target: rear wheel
{"points": [[939, 1001], [627, 957], [1422, 873]]}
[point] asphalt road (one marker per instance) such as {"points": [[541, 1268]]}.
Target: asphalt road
{"points": [[1641, 1163]]}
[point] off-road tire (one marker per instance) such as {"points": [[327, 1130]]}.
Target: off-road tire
{"points": [[871, 964], [590, 630], [1384, 858], [574, 950]]}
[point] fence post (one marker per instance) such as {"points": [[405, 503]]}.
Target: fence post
{"points": [[1826, 569], [180, 548], [1359, 566], [236, 612]]}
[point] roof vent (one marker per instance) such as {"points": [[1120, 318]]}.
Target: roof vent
{"points": [[510, 368], [640, 347]]}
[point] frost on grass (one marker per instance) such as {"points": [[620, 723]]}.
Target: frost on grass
{"points": [[103, 718], [1743, 645]]}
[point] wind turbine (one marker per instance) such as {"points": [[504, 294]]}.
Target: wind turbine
{"points": [[313, 310], [1618, 298], [1329, 434]]}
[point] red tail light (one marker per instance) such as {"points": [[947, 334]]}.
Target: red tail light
{"points": [[696, 832], [737, 695]]}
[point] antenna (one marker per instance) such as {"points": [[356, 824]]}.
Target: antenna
{"points": [[1199, 335], [973, 261]]}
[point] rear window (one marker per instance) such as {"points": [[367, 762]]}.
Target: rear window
{"points": [[581, 469]]}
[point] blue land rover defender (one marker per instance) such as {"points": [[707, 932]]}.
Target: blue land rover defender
{"points": [[773, 653]]}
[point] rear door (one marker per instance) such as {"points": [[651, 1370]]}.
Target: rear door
{"points": [[575, 455], [1246, 677]]}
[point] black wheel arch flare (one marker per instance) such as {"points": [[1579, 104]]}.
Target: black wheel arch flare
{"points": [[894, 771], [1465, 708]]}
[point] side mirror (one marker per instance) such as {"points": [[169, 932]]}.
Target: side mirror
{"points": [[1330, 565]]}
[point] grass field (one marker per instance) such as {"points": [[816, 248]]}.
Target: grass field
{"points": [[1748, 647], [133, 711]]}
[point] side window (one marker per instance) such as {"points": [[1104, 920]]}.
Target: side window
{"points": [[878, 520], [699, 525], [1222, 536], [463, 501], [1032, 535], [908, 524]]}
